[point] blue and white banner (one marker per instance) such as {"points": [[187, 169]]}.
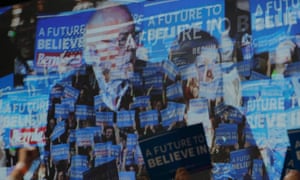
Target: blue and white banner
{"points": [[59, 40], [174, 91], [148, 118], [84, 137], [132, 141], [273, 22], [226, 135], [241, 161], [79, 161], [76, 173], [127, 175], [140, 101], [70, 92], [170, 69], [179, 148], [104, 118], [294, 146], [58, 130], [60, 152], [84, 112], [125, 118], [101, 150], [61, 111]]}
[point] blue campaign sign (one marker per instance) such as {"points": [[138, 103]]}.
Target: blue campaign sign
{"points": [[161, 22], [59, 39], [179, 148], [127, 175], [257, 169], [175, 91], [273, 21], [104, 118], [148, 118], [59, 129], [79, 161], [70, 91], [61, 111], [241, 160], [132, 140], [293, 135], [125, 118], [60, 152], [168, 116], [6, 82], [226, 135]]}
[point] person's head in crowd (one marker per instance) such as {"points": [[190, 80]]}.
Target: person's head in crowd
{"points": [[195, 46], [51, 123], [106, 75], [182, 174], [109, 134], [292, 175], [157, 104], [61, 175], [72, 124]]}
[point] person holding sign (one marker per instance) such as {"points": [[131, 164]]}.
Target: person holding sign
{"points": [[25, 160], [292, 175]]}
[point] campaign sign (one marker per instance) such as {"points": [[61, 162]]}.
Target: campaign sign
{"points": [[223, 171], [61, 111], [149, 118], [79, 161], [179, 109], [140, 101], [109, 170], [60, 152], [101, 149], [104, 118], [174, 91], [58, 130], [273, 21], [76, 173], [127, 175], [155, 82], [83, 112], [70, 102], [125, 118], [115, 151], [226, 135], [241, 160], [70, 92], [257, 169], [98, 102], [179, 148], [138, 157], [168, 116], [59, 40], [132, 140], [293, 135], [161, 22], [188, 71], [170, 69], [84, 137], [136, 80], [22, 137]]}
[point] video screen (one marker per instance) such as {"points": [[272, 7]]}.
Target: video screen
{"points": [[97, 76]]}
